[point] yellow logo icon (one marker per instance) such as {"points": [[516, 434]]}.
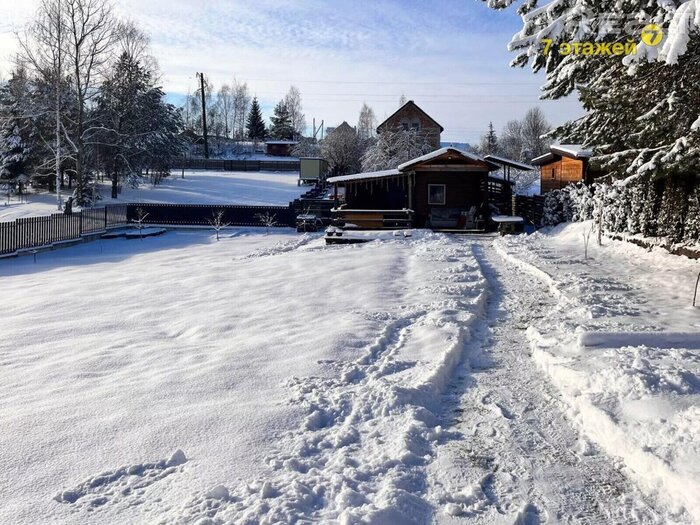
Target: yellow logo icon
{"points": [[652, 35]]}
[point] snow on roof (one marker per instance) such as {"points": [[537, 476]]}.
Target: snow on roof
{"points": [[440, 152], [509, 162], [542, 159], [281, 142], [574, 150], [368, 175]]}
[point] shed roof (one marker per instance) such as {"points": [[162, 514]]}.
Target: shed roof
{"points": [[282, 142], [508, 162], [367, 175], [571, 151]]}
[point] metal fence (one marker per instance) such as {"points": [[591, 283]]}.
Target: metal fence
{"points": [[235, 165], [36, 232], [204, 214]]}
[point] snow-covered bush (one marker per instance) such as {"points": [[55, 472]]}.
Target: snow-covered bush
{"points": [[553, 213]]}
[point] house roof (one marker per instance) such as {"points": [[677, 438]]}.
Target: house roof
{"points": [[282, 142], [442, 151], [407, 104], [508, 162], [364, 176], [571, 151], [343, 127], [407, 165]]}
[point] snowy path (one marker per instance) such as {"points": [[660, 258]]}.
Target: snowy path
{"points": [[516, 458]]}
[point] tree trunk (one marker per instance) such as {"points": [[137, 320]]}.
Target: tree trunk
{"points": [[59, 204]]}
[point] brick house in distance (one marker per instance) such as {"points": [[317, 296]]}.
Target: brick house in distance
{"points": [[564, 164], [411, 117]]}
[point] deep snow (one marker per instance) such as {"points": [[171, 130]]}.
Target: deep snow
{"points": [[198, 187], [272, 378]]}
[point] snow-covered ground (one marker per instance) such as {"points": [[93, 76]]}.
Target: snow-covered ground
{"points": [[198, 187], [274, 379]]}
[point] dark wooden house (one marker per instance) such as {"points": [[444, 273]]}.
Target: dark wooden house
{"points": [[411, 117], [280, 148], [563, 165], [447, 189]]}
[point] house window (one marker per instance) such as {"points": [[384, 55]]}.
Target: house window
{"points": [[436, 193], [415, 125], [554, 173]]}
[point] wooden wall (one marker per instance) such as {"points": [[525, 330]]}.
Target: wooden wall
{"points": [[566, 171], [462, 190]]}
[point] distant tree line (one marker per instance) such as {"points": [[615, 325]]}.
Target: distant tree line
{"points": [[232, 113]]}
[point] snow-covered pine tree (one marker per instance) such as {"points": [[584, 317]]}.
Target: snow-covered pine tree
{"points": [[691, 233], [552, 213], [255, 126], [643, 114], [281, 127], [14, 129], [637, 203], [648, 220], [672, 209], [138, 131]]}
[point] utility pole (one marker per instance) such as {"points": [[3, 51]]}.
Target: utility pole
{"points": [[204, 117]]}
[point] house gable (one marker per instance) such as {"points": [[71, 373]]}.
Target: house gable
{"points": [[410, 112]]}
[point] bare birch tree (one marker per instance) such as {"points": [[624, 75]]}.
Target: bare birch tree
{"points": [[90, 36], [293, 102], [366, 123], [43, 49], [241, 106], [225, 101]]}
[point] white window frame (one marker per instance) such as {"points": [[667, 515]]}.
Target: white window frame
{"points": [[444, 195]]}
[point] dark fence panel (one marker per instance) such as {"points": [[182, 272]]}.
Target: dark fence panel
{"points": [[531, 207], [500, 194], [203, 214], [235, 165], [35, 232]]}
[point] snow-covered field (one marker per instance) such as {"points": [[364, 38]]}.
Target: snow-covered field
{"points": [[198, 187], [274, 379]]}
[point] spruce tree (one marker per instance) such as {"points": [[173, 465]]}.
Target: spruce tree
{"points": [[489, 142], [282, 122], [255, 124], [14, 131]]}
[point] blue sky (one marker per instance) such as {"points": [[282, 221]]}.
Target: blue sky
{"points": [[449, 56]]}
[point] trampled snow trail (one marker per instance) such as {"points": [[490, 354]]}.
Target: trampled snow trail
{"points": [[514, 456], [369, 429]]}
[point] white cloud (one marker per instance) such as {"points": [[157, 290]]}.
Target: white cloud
{"points": [[449, 56]]}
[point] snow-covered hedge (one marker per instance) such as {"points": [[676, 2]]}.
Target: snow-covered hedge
{"points": [[668, 208]]}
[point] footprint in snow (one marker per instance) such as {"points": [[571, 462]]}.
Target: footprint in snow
{"points": [[115, 485]]}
